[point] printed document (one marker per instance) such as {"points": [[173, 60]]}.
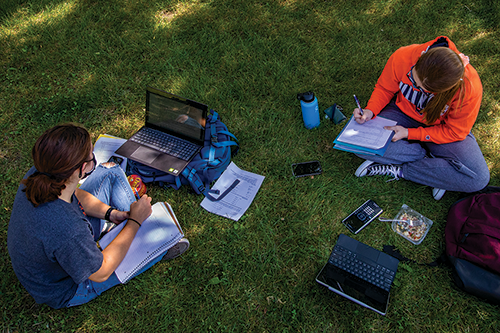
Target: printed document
{"points": [[105, 147], [370, 134], [235, 203]]}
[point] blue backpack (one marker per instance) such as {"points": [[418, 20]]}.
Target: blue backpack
{"points": [[219, 146]]}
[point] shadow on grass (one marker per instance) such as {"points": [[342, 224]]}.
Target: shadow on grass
{"points": [[108, 56]]}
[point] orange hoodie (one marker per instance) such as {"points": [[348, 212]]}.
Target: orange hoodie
{"points": [[454, 123]]}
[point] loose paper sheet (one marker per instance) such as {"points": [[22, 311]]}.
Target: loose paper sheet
{"points": [[105, 147], [236, 202]]}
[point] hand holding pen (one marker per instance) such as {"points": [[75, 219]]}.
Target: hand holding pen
{"points": [[361, 116], [358, 105]]}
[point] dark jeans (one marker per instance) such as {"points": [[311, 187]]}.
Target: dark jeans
{"points": [[457, 166]]}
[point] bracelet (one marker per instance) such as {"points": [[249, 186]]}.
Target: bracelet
{"points": [[134, 221], [108, 213]]}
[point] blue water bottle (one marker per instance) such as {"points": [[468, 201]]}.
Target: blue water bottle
{"points": [[310, 109]]}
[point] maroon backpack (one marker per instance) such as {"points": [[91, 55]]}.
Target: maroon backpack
{"points": [[472, 237], [473, 230]]}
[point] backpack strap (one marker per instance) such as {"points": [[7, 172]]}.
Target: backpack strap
{"points": [[224, 144], [196, 166], [220, 197], [215, 139], [198, 170], [213, 129], [229, 134], [178, 183], [195, 181], [394, 252], [200, 188]]}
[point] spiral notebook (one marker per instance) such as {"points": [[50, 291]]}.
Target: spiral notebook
{"points": [[159, 232]]}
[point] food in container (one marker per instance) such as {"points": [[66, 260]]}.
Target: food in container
{"points": [[411, 224]]}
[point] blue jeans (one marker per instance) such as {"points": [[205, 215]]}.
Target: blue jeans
{"points": [[110, 185], [457, 166], [88, 290]]}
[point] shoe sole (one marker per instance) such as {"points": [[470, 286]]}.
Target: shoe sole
{"points": [[177, 250], [362, 170], [438, 194]]}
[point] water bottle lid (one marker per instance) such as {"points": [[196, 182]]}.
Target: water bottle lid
{"points": [[306, 97]]}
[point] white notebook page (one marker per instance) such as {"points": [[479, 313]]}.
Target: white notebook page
{"points": [[370, 134], [159, 232]]}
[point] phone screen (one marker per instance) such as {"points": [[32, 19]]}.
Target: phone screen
{"points": [[116, 159], [355, 223], [306, 169], [362, 216]]}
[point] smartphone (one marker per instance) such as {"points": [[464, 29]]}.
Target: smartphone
{"points": [[362, 216], [116, 159], [306, 169]]}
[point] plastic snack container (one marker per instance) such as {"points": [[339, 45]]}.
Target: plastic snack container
{"points": [[415, 229]]}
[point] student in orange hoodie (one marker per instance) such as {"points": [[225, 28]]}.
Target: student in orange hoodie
{"points": [[434, 94]]}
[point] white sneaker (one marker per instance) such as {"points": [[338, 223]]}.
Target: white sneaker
{"points": [[368, 169], [363, 168], [177, 249], [438, 193]]}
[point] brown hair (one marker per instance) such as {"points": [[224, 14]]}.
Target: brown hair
{"points": [[56, 155], [441, 71]]}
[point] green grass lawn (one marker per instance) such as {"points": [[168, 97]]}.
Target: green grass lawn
{"points": [[89, 61]]}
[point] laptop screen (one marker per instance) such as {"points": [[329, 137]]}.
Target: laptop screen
{"points": [[175, 115], [375, 299], [360, 273]]}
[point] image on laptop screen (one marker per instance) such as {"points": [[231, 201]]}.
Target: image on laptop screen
{"points": [[360, 273], [329, 277], [175, 115]]}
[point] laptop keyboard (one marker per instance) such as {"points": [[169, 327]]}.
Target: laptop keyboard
{"points": [[165, 143], [378, 275]]}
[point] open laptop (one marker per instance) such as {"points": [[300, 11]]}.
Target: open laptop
{"points": [[360, 273], [172, 135]]}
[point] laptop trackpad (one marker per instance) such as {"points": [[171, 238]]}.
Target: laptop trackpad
{"points": [[145, 154]]}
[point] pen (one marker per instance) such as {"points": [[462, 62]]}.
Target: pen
{"points": [[136, 193], [359, 105]]}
